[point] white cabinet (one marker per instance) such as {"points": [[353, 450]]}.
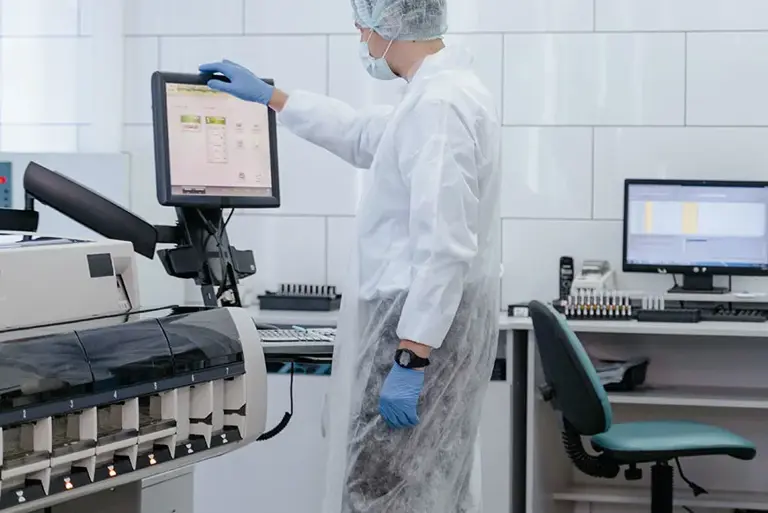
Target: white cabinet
{"points": [[496, 439], [286, 473]]}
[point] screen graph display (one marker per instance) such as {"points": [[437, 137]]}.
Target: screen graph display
{"points": [[697, 226]]}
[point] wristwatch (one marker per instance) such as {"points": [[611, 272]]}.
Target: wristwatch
{"points": [[407, 359]]}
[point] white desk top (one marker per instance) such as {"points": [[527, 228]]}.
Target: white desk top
{"points": [[710, 329], [323, 319]]}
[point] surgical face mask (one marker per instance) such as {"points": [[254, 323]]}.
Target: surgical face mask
{"points": [[377, 68]]}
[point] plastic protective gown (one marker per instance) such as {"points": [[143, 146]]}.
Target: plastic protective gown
{"points": [[426, 269]]}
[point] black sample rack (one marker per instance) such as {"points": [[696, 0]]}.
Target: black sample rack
{"points": [[303, 297]]}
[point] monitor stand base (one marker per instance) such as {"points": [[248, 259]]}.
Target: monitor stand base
{"points": [[698, 284]]}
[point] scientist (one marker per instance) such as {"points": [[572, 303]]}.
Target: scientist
{"points": [[418, 327]]}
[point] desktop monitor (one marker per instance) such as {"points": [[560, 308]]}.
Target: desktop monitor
{"points": [[212, 150], [697, 228]]}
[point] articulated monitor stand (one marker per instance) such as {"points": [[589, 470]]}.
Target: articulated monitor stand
{"points": [[203, 253]]}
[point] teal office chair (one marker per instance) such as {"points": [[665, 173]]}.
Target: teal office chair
{"points": [[574, 390]]}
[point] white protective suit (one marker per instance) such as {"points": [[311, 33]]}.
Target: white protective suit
{"points": [[426, 269]]}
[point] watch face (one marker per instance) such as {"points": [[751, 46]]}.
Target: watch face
{"points": [[404, 359]]}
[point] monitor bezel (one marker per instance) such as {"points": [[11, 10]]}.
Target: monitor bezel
{"points": [[165, 197], [684, 269]]}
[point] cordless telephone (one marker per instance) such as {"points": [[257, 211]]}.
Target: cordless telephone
{"points": [[566, 276]]}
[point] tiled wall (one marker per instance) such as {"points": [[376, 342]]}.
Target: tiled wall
{"points": [[591, 91]]}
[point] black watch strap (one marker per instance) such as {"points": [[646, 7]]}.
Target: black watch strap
{"points": [[409, 360]]}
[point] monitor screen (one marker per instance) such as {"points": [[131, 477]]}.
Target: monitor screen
{"points": [[219, 145], [212, 149], [698, 225]]}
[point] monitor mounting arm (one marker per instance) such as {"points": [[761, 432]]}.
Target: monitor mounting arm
{"points": [[203, 253]]}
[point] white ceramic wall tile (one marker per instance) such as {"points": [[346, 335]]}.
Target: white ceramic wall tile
{"points": [[532, 249], [351, 83], [348, 80], [183, 17], [38, 17], [89, 138], [104, 105], [594, 79], [727, 79], [36, 138], [91, 11], [547, 173], [299, 17], [296, 258], [720, 153], [341, 243], [86, 20], [532, 273], [141, 60], [46, 80], [138, 142], [679, 15], [486, 53], [519, 16], [312, 180], [294, 62]]}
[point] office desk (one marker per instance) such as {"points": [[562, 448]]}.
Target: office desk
{"points": [[708, 371], [329, 320], [499, 427]]}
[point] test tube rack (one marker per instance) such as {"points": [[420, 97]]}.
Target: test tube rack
{"points": [[301, 297], [609, 305]]}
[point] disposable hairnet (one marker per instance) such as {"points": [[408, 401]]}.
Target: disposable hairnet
{"points": [[410, 20]]}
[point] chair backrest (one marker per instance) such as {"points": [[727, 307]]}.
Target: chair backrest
{"points": [[571, 378]]}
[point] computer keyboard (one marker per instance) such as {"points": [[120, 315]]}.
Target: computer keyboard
{"points": [[294, 335], [725, 315]]}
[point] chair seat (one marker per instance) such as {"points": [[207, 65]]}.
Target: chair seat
{"points": [[641, 442]]}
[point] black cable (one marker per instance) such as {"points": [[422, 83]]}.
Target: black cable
{"points": [[286, 417], [697, 490], [212, 231], [224, 263], [290, 388], [218, 234], [229, 216]]}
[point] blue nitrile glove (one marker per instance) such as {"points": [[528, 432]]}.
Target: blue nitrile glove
{"points": [[242, 83], [400, 397]]}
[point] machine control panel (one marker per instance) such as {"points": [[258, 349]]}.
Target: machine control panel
{"points": [[6, 194]]}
